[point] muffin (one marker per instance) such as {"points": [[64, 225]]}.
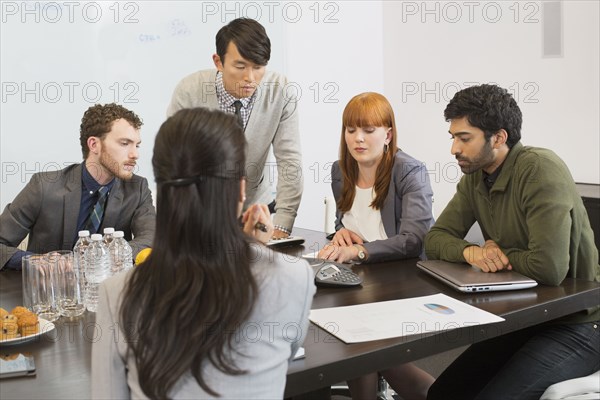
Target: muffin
{"points": [[17, 311], [9, 357], [3, 313], [10, 327], [28, 324]]}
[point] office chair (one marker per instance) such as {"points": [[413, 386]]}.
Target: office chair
{"points": [[587, 387]]}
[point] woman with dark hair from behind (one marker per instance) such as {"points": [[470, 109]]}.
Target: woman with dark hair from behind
{"points": [[204, 315]]}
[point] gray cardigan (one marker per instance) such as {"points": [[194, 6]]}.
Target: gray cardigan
{"points": [[269, 338], [406, 213], [273, 121]]}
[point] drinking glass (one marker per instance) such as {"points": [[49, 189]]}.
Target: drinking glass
{"points": [[68, 294], [39, 286]]}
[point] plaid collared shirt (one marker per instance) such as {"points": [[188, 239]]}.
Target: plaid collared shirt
{"points": [[226, 100]]}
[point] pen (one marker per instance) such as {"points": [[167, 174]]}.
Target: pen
{"points": [[261, 227]]}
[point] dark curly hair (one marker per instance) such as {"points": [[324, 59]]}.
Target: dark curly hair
{"points": [[249, 37], [98, 119], [489, 108]]}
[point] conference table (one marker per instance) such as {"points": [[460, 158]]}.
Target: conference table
{"points": [[63, 356]]}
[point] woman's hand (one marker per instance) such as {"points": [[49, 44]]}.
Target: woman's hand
{"points": [[257, 222], [337, 253], [345, 237]]}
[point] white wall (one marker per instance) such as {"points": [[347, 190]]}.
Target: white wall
{"points": [[59, 58], [330, 50], [342, 58], [432, 49], [149, 46]]}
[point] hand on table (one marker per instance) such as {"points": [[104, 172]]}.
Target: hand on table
{"points": [[345, 237], [337, 253], [488, 258]]}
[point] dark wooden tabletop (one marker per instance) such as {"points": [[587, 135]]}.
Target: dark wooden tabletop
{"points": [[328, 360], [63, 357]]}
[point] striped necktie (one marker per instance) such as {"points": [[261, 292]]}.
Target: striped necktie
{"points": [[95, 219], [238, 113]]}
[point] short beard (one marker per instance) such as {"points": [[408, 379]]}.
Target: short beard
{"points": [[481, 160], [112, 166]]}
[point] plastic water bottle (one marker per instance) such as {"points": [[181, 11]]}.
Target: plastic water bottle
{"points": [[121, 254], [109, 234], [97, 263], [79, 258]]}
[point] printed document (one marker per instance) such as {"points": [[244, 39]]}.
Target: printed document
{"points": [[388, 319]]}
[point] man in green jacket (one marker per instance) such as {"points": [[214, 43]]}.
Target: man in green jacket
{"points": [[534, 222]]}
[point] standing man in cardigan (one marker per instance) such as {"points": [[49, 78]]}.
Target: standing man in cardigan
{"points": [[241, 85]]}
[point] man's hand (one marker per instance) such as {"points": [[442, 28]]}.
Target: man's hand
{"points": [[337, 253], [488, 258], [345, 237]]}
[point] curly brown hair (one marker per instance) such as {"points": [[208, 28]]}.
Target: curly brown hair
{"points": [[98, 119]]}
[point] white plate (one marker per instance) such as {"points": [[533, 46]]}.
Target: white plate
{"points": [[45, 327]]}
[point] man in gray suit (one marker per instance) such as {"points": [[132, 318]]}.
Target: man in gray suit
{"points": [[101, 192], [268, 112]]}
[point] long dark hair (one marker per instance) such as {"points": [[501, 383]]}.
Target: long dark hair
{"points": [[182, 304], [367, 109]]}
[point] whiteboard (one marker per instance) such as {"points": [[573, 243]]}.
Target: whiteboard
{"points": [[59, 58], [330, 50]]}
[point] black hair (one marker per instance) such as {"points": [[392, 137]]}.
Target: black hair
{"points": [[489, 108], [250, 39], [197, 283]]}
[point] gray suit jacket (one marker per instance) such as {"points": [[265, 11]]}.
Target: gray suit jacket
{"points": [[48, 207], [406, 213], [273, 121]]}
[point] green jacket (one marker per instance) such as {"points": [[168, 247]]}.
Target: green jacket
{"points": [[533, 212]]}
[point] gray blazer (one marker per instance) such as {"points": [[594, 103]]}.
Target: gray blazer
{"points": [[273, 121], [406, 213], [276, 327], [48, 207]]}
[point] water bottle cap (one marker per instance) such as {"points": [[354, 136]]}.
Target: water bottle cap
{"points": [[84, 233], [109, 230], [96, 236], [119, 234]]}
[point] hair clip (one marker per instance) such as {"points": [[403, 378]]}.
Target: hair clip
{"points": [[183, 181]]}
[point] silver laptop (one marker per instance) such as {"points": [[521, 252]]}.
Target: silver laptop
{"points": [[466, 278]]}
